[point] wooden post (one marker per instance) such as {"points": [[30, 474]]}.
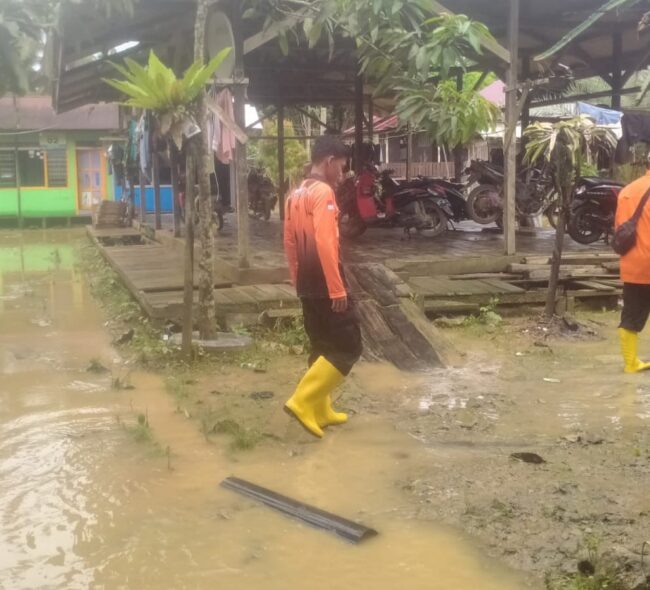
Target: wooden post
{"points": [[188, 291], [510, 147], [156, 192], [617, 74], [358, 122], [143, 198], [173, 158], [281, 179], [371, 120], [241, 171], [19, 198], [458, 150], [409, 152]]}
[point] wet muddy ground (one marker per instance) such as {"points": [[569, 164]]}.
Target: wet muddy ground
{"points": [[111, 479]]}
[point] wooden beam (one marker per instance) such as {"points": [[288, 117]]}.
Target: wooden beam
{"points": [[490, 45], [640, 64], [240, 164], [156, 192], [143, 198], [358, 122], [510, 143], [281, 178], [174, 157], [268, 115], [270, 33], [617, 69], [586, 96], [315, 119]]}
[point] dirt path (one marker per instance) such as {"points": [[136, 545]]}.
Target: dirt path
{"points": [[562, 397]]}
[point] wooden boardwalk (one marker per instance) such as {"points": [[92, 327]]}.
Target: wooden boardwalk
{"points": [[154, 275]]}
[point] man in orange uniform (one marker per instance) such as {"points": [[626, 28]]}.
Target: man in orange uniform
{"points": [[311, 243], [635, 273]]}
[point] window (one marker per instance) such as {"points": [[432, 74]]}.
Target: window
{"points": [[38, 168], [31, 166], [57, 168], [7, 169]]}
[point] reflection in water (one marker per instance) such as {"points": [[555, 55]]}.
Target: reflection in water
{"points": [[82, 505]]}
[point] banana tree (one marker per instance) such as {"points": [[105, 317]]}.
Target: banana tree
{"points": [[178, 106], [565, 145]]}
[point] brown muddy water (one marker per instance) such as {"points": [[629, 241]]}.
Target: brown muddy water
{"points": [[83, 504]]}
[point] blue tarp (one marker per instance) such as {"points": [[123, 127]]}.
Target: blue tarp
{"points": [[599, 115]]}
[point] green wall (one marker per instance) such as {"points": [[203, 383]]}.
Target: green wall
{"points": [[51, 202]]}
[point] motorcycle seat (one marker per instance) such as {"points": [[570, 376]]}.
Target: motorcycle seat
{"points": [[593, 181]]}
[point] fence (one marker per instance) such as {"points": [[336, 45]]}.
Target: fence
{"points": [[434, 169]]}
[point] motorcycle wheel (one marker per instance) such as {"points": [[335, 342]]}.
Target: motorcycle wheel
{"points": [[475, 210], [552, 212], [351, 226], [580, 226], [438, 217], [268, 208]]}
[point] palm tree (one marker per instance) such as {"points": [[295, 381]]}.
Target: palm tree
{"points": [[564, 145]]}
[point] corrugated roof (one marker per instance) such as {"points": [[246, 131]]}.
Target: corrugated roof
{"points": [[36, 112]]}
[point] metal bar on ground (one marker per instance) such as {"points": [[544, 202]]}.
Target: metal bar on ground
{"points": [[510, 146], [348, 530]]}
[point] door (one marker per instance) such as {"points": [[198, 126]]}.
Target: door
{"points": [[90, 178]]}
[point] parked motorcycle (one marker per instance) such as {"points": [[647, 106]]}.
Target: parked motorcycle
{"points": [[262, 196], [451, 191], [374, 199], [593, 209], [535, 193]]}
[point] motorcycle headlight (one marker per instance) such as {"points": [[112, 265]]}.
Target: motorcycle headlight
{"points": [[581, 189]]}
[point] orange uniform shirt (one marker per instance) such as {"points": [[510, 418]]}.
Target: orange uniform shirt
{"points": [[635, 265], [311, 241]]}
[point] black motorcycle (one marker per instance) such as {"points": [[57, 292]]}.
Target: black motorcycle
{"points": [[535, 193], [374, 199], [593, 209], [456, 207], [262, 196]]}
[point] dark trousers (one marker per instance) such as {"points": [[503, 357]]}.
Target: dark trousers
{"points": [[636, 306], [335, 336]]}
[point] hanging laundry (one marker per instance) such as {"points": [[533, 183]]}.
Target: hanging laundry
{"points": [[221, 139], [144, 145]]}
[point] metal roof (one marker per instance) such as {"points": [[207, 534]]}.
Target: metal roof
{"points": [[37, 113], [82, 51]]}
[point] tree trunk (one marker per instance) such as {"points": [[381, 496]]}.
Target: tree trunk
{"points": [[188, 295], [556, 260], [203, 155]]}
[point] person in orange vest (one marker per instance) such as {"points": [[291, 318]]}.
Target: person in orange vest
{"points": [[635, 273], [311, 242]]}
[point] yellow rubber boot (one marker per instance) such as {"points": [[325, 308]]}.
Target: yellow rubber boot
{"points": [[309, 397], [629, 348], [332, 378], [328, 417]]}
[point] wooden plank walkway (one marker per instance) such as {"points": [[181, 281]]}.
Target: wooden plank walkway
{"points": [[153, 273]]}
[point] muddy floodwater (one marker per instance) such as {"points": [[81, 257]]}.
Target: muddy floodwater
{"points": [[85, 504]]}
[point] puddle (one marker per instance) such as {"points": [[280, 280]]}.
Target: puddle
{"points": [[83, 505]]}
